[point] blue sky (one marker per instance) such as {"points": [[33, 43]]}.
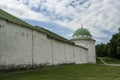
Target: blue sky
{"points": [[100, 17]]}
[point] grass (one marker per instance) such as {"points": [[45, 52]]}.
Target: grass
{"points": [[68, 72]]}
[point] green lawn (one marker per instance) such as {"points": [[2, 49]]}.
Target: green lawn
{"points": [[68, 72]]}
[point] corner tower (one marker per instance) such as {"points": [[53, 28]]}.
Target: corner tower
{"points": [[83, 38]]}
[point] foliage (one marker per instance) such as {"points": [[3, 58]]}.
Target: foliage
{"points": [[101, 50], [114, 46], [111, 49]]}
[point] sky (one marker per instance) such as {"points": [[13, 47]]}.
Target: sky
{"points": [[100, 17]]}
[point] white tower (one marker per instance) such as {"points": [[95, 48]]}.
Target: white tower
{"points": [[83, 38]]}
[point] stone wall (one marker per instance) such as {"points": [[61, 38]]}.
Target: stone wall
{"points": [[21, 46], [90, 45]]}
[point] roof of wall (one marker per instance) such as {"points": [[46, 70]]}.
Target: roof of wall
{"points": [[18, 21], [86, 39]]}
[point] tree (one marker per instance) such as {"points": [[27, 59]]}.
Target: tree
{"points": [[101, 50], [114, 46], [111, 49]]}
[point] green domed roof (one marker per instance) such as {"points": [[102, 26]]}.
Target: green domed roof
{"points": [[81, 31]]}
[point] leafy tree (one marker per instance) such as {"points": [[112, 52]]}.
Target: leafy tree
{"points": [[115, 46], [101, 50], [111, 49]]}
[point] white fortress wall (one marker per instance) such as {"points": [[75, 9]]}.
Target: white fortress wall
{"points": [[81, 55], [23, 46], [2, 41], [92, 55], [91, 49], [70, 55], [77, 55], [58, 52], [18, 45], [42, 49]]}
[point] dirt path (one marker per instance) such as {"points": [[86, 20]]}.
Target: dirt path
{"points": [[105, 63]]}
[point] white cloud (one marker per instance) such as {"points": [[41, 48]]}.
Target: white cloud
{"points": [[21, 10], [96, 15]]}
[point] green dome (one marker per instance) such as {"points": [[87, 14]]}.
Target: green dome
{"points": [[81, 31]]}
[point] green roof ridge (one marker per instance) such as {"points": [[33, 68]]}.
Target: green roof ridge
{"points": [[53, 35], [88, 39], [13, 19], [16, 20]]}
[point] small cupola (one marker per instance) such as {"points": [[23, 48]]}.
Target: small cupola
{"points": [[81, 33]]}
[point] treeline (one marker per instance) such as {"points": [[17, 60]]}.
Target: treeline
{"points": [[111, 49]]}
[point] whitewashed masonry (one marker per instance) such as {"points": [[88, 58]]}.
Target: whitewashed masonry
{"points": [[23, 46]]}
